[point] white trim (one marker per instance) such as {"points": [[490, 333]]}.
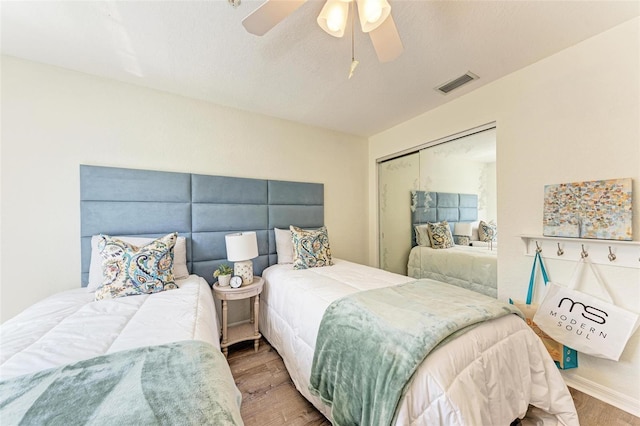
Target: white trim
{"points": [[625, 253], [605, 394], [449, 138]]}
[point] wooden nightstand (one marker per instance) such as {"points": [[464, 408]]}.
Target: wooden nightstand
{"points": [[244, 331]]}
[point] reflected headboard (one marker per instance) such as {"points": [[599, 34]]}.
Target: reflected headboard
{"points": [[202, 208], [432, 207]]}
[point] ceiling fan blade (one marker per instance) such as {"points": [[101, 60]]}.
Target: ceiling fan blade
{"points": [[386, 41], [269, 14]]}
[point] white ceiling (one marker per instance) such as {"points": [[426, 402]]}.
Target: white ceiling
{"points": [[297, 72]]}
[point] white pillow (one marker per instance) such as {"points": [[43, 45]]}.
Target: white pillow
{"points": [[180, 269], [284, 245], [474, 230], [422, 235]]}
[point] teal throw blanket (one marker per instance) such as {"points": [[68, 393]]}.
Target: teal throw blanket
{"points": [[184, 383], [370, 343]]}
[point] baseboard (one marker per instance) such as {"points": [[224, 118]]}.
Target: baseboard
{"points": [[605, 394]]}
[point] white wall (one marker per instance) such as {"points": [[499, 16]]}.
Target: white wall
{"points": [[54, 119], [571, 117]]}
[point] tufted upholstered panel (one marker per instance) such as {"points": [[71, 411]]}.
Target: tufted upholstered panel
{"points": [[438, 206], [202, 208]]}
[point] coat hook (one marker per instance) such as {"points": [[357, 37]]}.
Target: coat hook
{"points": [[584, 252], [611, 256], [538, 248], [560, 251]]}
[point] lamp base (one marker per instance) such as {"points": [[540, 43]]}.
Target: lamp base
{"points": [[245, 270]]}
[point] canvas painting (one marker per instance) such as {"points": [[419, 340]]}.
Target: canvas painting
{"points": [[600, 209]]}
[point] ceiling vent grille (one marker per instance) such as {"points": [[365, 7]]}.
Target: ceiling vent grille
{"points": [[456, 82]]}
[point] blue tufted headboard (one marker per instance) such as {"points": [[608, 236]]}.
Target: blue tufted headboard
{"points": [[438, 206], [202, 208]]}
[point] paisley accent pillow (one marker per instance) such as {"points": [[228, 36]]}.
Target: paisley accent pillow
{"points": [[310, 248], [440, 235], [129, 270], [487, 231], [462, 240], [180, 269]]}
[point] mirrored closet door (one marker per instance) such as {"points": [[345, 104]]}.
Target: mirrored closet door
{"points": [[452, 179]]}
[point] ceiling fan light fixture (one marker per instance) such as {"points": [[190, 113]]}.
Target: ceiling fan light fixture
{"points": [[333, 17], [372, 13]]}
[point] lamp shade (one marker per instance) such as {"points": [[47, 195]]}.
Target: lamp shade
{"points": [[372, 13], [333, 17], [462, 228], [241, 246]]}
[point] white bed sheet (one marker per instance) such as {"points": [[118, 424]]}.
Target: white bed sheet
{"points": [[70, 326], [488, 376], [473, 268]]}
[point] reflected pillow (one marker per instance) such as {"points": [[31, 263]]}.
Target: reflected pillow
{"points": [[422, 235], [284, 245], [474, 231], [129, 270], [311, 248], [461, 240], [487, 231], [440, 235]]}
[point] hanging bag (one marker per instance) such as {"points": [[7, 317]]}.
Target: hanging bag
{"points": [[563, 356], [589, 324]]}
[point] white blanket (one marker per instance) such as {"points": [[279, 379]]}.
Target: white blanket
{"points": [[488, 376], [473, 268], [70, 326]]}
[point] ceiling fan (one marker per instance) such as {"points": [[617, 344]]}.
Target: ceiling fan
{"points": [[375, 19]]}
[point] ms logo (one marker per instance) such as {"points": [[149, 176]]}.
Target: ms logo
{"points": [[588, 312]]}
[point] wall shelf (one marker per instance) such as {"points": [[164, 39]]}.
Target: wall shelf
{"points": [[626, 253]]}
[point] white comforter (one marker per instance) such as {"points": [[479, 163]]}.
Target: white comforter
{"points": [[70, 326], [473, 268], [488, 376]]}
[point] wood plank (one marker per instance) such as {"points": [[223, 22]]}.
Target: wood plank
{"points": [[593, 412], [269, 397]]}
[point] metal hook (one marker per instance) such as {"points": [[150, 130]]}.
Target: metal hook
{"points": [[560, 251], [611, 256], [584, 252], [538, 248]]}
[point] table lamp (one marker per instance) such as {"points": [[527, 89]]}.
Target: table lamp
{"points": [[241, 248]]}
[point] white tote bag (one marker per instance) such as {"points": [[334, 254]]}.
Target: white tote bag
{"points": [[586, 323]]}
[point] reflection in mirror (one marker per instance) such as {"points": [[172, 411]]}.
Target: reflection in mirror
{"points": [[467, 166], [396, 179], [452, 181]]}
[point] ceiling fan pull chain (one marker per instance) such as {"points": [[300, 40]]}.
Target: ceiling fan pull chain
{"points": [[354, 63]]}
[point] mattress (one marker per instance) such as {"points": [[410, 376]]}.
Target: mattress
{"points": [[473, 268], [70, 326], [488, 375]]}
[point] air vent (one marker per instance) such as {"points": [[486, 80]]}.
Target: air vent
{"points": [[457, 82]]}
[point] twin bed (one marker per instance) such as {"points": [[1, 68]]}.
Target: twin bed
{"points": [[490, 374], [145, 359]]}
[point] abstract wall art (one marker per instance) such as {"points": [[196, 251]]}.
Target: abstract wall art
{"points": [[600, 209]]}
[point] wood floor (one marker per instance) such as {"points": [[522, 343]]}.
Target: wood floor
{"points": [[269, 397]]}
